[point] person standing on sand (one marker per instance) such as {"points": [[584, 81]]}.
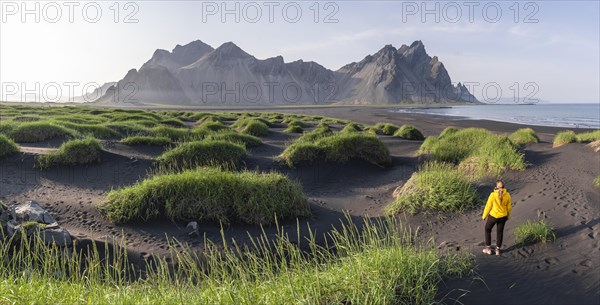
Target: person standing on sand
{"points": [[497, 211]]}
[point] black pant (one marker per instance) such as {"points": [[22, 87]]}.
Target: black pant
{"points": [[491, 221]]}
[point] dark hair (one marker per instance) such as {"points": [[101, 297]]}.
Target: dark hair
{"points": [[500, 181]]}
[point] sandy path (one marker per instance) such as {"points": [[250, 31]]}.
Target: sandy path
{"points": [[557, 187]]}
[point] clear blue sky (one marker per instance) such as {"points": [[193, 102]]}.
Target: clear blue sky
{"points": [[553, 44]]}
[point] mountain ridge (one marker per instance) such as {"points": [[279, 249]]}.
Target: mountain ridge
{"points": [[198, 74]]}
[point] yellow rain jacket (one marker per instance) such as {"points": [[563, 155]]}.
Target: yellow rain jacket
{"points": [[496, 208]]}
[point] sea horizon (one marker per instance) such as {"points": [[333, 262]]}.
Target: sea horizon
{"points": [[567, 115]]}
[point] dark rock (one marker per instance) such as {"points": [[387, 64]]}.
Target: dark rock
{"points": [[31, 211]]}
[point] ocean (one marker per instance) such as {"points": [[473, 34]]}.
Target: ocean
{"points": [[558, 115]]}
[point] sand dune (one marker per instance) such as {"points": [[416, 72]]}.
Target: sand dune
{"points": [[557, 186]]}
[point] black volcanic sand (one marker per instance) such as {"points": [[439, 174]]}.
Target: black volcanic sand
{"points": [[557, 186]]}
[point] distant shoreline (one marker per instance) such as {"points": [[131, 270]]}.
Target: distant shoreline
{"points": [[333, 109]]}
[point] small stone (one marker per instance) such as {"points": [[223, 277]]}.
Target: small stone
{"points": [[59, 236], [193, 227], [31, 211]]}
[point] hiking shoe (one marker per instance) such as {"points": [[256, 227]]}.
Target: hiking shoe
{"points": [[487, 250], [498, 251]]}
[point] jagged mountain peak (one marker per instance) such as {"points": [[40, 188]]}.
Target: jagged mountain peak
{"points": [[230, 49], [180, 56], [194, 45], [417, 44], [415, 51]]}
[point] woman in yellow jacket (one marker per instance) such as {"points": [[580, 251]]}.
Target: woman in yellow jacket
{"points": [[497, 212]]}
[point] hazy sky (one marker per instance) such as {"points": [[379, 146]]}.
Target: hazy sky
{"points": [[547, 49]]}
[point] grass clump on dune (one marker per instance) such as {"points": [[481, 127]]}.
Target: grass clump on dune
{"points": [[351, 128], [127, 128], [315, 134], [234, 137], [74, 152], [447, 131], [207, 152], [209, 194], [340, 148], [531, 232], [296, 122], [524, 136], [478, 152], [436, 187], [244, 120], [96, 131], [564, 137], [7, 146], [173, 122], [38, 131], [213, 126], [294, 129], [122, 116], [597, 181], [146, 140], [175, 134], [588, 136], [372, 130], [409, 132], [387, 128], [376, 263], [207, 128], [6, 126], [27, 118], [255, 128], [427, 146], [568, 136]]}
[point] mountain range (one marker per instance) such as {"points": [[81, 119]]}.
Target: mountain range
{"points": [[198, 74]]}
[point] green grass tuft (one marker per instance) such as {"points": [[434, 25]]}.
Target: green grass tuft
{"points": [[447, 131], [74, 152], [209, 194], [478, 152], [256, 128], [427, 146], [128, 129], [524, 136], [387, 128], [7, 146], [531, 232], [207, 152], [175, 134], [315, 134], [96, 131], [27, 118], [436, 187], [564, 137], [38, 131], [296, 122], [7, 126], [234, 137], [374, 263], [294, 129], [213, 126], [409, 132], [146, 140], [339, 148], [588, 136], [244, 120], [173, 122], [597, 181], [351, 128]]}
